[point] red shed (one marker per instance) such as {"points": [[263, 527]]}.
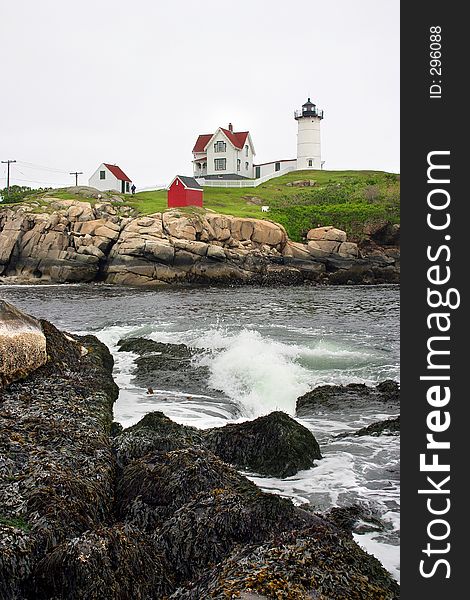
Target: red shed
{"points": [[184, 191]]}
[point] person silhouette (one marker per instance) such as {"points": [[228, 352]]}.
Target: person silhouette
{"points": [[133, 189]]}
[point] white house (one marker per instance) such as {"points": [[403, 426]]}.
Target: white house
{"points": [[110, 178], [225, 154], [229, 155]]}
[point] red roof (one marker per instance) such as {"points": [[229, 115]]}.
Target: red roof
{"points": [[202, 142], [238, 139], [117, 172]]}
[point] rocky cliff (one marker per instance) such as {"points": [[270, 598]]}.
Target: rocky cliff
{"points": [[75, 241]]}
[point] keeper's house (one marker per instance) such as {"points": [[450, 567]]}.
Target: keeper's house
{"points": [[110, 178], [184, 191], [225, 154]]}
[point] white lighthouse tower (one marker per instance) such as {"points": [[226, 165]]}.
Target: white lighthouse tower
{"points": [[308, 136]]}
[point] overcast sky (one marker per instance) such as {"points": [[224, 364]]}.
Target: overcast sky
{"points": [[134, 83]]}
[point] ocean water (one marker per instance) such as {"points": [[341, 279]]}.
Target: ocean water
{"points": [[262, 348]]}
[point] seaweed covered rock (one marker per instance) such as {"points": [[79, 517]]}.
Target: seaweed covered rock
{"points": [[57, 471], [154, 432], [205, 530], [357, 518], [387, 427], [274, 445], [320, 562], [118, 562], [22, 344], [164, 365], [353, 395], [153, 488]]}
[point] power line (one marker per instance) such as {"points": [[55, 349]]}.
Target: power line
{"points": [[36, 181], [8, 163], [76, 173], [41, 167]]}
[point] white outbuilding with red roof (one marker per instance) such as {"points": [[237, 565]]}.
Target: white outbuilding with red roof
{"points": [[225, 154], [109, 177]]}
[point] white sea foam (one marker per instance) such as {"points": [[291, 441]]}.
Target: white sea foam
{"points": [[261, 374]]}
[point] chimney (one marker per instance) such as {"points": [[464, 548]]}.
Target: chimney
{"points": [[230, 127]]}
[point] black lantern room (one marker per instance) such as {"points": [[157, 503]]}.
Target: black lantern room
{"points": [[309, 109]]}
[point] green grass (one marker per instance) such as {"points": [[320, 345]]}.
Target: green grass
{"points": [[345, 199]]}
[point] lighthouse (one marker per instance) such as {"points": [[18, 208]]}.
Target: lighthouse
{"points": [[308, 136]]}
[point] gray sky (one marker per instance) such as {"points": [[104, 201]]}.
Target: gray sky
{"points": [[134, 83]]}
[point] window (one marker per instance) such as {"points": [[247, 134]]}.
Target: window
{"points": [[220, 164], [246, 150], [127, 186], [239, 162], [220, 147], [102, 174], [277, 166], [246, 166], [310, 162]]}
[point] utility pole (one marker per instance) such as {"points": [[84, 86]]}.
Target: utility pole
{"points": [[8, 163], [76, 173]]}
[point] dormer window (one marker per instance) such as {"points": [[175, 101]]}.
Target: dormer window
{"points": [[220, 146]]}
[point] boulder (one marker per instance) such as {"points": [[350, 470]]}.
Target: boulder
{"points": [[220, 225], [154, 487], [154, 432], [275, 445], [22, 344], [302, 183], [265, 232], [315, 251], [319, 562], [387, 427], [327, 246], [209, 509], [328, 233], [89, 227], [242, 229], [348, 249], [296, 250], [180, 226], [108, 562], [339, 397], [59, 480], [357, 518], [166, 366]]}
